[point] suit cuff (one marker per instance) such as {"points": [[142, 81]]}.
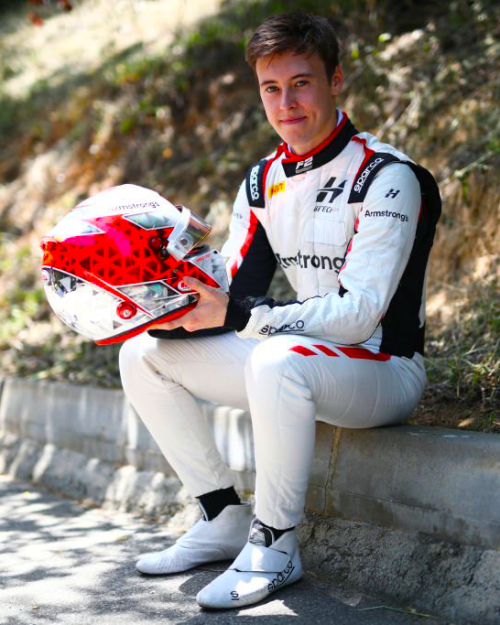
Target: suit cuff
{"points": [[237, 315]]}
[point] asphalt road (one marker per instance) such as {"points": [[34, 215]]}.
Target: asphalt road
{"points": [[64, 562]]}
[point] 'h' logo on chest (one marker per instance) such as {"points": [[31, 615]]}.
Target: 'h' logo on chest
{"points": [[327, 195], [330, 190]]}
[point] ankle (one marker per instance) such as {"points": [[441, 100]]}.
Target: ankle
{"points": [[213, 503], [263, 534]]}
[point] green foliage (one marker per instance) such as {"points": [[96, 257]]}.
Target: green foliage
{"points": [[173, 122]]}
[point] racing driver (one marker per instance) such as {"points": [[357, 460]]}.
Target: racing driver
{"points": [[350, 220]]}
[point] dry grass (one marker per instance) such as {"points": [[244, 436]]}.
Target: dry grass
{"points": [[104, 95]]}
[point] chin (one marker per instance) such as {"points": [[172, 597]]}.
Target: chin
{"points": [[300, 146], [297, 139]]}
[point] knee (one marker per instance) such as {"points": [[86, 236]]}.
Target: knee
{"points": [[270, 361], [132, 357]]}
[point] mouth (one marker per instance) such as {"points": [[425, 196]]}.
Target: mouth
{"points": [[292, 120]]}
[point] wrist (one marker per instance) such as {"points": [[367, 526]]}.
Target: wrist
{"points": [[237, 314]]}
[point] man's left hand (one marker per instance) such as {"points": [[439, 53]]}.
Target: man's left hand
{"points": [[210, 312]]}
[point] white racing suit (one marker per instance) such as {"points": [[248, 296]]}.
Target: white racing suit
{"points": [[351, 223]]}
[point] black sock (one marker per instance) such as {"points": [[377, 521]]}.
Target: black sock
{"points": [[212, 504], [262, 534]]}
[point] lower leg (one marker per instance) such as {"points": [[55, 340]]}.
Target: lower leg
{"points": [[156, 379], [160, 379], [283, 419]]}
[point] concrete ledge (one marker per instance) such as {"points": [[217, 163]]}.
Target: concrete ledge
{"points": [[460, 583], [100, 424], [406, 513], [433, 480]]}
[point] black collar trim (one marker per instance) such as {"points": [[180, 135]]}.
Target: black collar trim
{"points": [[324, 153]]}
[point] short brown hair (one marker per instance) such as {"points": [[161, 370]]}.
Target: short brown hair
{"points": [[298, 32]]}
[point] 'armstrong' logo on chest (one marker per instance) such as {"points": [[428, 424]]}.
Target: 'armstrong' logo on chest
{"points": [[311, 261]]}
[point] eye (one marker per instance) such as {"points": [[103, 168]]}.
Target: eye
{"points": [[271, 89], [301, 83]]}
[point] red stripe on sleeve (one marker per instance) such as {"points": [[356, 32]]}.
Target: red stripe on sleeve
{"points": [[300, 349], [248, 241]]}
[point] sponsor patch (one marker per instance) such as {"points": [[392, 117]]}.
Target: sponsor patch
{"points": [[328, 193], [308, 261], [296, 326], [275, 189], [303, 166], [365, 173], [375, 163], [254, 183], [401, 216], [254, 187]]}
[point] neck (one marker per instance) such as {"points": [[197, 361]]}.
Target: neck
{"points": [[330, 128]]}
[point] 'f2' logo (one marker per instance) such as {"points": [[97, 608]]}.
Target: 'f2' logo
{"points": [[304, 165]]}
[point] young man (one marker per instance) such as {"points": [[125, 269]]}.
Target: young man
{"points": [[351, 221]]}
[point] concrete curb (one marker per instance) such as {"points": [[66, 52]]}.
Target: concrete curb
{"points": [[406, 513], [50, 431]]}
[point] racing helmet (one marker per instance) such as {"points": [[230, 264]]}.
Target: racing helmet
{"points": [[115, 264]]}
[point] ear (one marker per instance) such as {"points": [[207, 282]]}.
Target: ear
{"points": [[337, 81]]}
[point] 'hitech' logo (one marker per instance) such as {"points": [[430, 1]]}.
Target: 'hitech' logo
{"points": [[329, 191], [328, 194]]}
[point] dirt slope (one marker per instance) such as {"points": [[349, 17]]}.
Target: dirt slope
{"points": [[145, 93]]}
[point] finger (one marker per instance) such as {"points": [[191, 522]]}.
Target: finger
{"points": [[174, 323], [197, 285], [166, 325]]}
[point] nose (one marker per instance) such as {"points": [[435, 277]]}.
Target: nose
{"points": [[287, 98]]}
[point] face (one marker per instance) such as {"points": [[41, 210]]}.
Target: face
{"points": [[299, 100]]}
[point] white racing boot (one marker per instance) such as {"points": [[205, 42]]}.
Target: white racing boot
{"points": [[255, 574], [207, 541]]}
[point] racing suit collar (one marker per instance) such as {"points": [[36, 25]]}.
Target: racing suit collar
{"points": [[326, 151]]}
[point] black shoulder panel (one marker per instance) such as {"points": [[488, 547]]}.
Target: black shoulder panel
{"points": [[254, 183], [368, 173]]}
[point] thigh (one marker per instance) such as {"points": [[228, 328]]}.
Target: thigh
{"points": [[210, 368], [352, 386]]}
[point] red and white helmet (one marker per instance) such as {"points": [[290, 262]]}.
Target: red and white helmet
{"points": [[115, 264]]}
